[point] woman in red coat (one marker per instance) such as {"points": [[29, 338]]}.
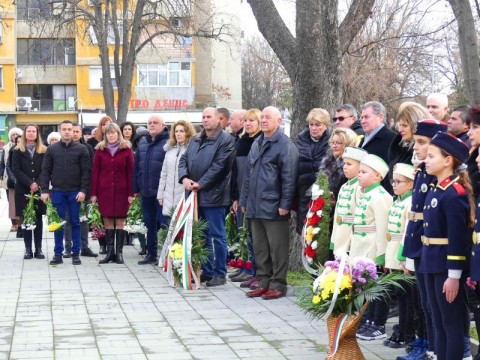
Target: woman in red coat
{"points": [[111, 186]]}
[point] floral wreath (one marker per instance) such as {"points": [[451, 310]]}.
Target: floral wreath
{"points": [[316, 233]]}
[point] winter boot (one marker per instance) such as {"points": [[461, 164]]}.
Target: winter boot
{"points": [[110, 240], [121, 236]]}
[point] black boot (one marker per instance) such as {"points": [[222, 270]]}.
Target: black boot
{"points": [[28, 245], [28, 253], [120, 236], [103, 248], [109, 239], [143, 250], [37, 233], [129, 239]]}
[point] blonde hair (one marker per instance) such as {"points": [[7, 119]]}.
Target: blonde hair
{"points": [[412, 113], [98, 132], [252, 114], [124, 144], [348, 137], [319, 115], [189, 132], [40, 148]]}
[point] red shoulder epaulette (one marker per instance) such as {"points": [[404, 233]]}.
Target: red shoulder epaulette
{"points": [[460, 189]]}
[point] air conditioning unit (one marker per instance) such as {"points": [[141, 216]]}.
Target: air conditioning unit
{"points": [[176, 23], [24, 103], [33, 13]]}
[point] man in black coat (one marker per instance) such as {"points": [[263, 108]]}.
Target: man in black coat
{"points": [[346, 116], [378, 137]]}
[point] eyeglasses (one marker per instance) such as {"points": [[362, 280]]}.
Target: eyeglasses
{"points": [[396, 182], [341, 118], [335, 143]]}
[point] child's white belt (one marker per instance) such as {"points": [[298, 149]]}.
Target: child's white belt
{"points": [[364, 228], [414, 216], [345, 219], [394, 237]]}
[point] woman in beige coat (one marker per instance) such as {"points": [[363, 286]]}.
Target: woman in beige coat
{"points": [[169, 189]]}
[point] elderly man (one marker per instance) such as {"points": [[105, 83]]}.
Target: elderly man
{"points": [[268, 189], [346, 117], [378, 137], [457, 124], [236, 122], [437, 106], [206, 168], [146, 176]]}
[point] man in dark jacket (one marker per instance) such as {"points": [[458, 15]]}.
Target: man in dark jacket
{"points": [[206, 168], [346, 116], [86, 251], [268, 189], [378, 137], [67, 167], [146, 175]]}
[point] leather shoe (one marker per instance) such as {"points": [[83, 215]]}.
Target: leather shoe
{"points": [[216, 281], [67, 254], [143, 250], [273, 294], [254, 285], [28, 253], [241, 277], [57, 259], [148, 260], [88, 252], [39, 254], [257, 292], [205, 278], [235, 273], [76, 259], [247, 283]]}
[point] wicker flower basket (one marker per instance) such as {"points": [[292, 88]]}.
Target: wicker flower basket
{"points": [[347, 347]]}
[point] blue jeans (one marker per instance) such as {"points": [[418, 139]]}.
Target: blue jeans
{"points": [[215, 241], [152, 215], [63, 200]]}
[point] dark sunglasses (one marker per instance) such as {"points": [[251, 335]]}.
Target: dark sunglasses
{"points": [[341, 118]]}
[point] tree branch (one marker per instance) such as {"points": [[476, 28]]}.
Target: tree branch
{"points": [[357, 16]]}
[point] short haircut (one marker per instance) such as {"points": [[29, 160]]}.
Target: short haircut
{"points": [[412, 112], [66, 122], [320, 115], [348, 136], [224, 112], [473, 115], [463, 110], [441, 98], [348, 108], [377, 108]]}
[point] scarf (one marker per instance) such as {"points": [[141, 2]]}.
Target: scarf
{"points": [[113, 147]]}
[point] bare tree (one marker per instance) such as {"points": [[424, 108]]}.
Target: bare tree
{"points": [[121, 29], [313, 57], [264, 80], [467, 43]]}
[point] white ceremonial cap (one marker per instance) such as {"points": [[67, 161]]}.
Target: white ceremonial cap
{"points": [[376, 163], [406, 170], [354, 153]]}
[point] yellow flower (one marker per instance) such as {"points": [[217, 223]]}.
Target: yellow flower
{"points": [[309, 234], [176, 252], [54, 227], [316, 299]]}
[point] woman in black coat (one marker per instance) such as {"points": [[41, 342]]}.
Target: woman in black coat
{"points": [[27, 166], [312, 146]]}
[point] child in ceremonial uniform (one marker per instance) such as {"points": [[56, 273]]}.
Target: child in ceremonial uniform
{"points": [[402, 185], [369, 235], [412, 243], [448, 216], [347, 196]]}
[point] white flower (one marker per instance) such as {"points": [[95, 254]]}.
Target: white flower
{"points": [[316, 230], [316, 190], [314, 245], [319, 213], [309, 214], [309, 260], [83, 218], [316, 284]]}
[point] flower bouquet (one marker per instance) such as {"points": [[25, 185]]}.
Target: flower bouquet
{"points": [[241, 252], [83, 212], [231, 229], [134, 222], [341, 294], [54, 221], [29, 213], [95, 220], [316, 232], [183, 251]]}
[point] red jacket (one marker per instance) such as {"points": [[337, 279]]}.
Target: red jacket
{"points": [[112, 181]]}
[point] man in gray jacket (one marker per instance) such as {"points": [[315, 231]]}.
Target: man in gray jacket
{"points": [[269, 185], [206, 168]]}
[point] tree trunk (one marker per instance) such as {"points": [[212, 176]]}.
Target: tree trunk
{"points": [[467, 42]]}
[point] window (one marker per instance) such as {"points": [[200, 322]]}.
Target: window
{"points": [[1, 77], [96, 77], [185, 40], [50, 97], [34, 9], [110, 35], [46, 51], [174, 74]]}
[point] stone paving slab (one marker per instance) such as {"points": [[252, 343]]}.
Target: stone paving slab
{"points": [[129, 311]]}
